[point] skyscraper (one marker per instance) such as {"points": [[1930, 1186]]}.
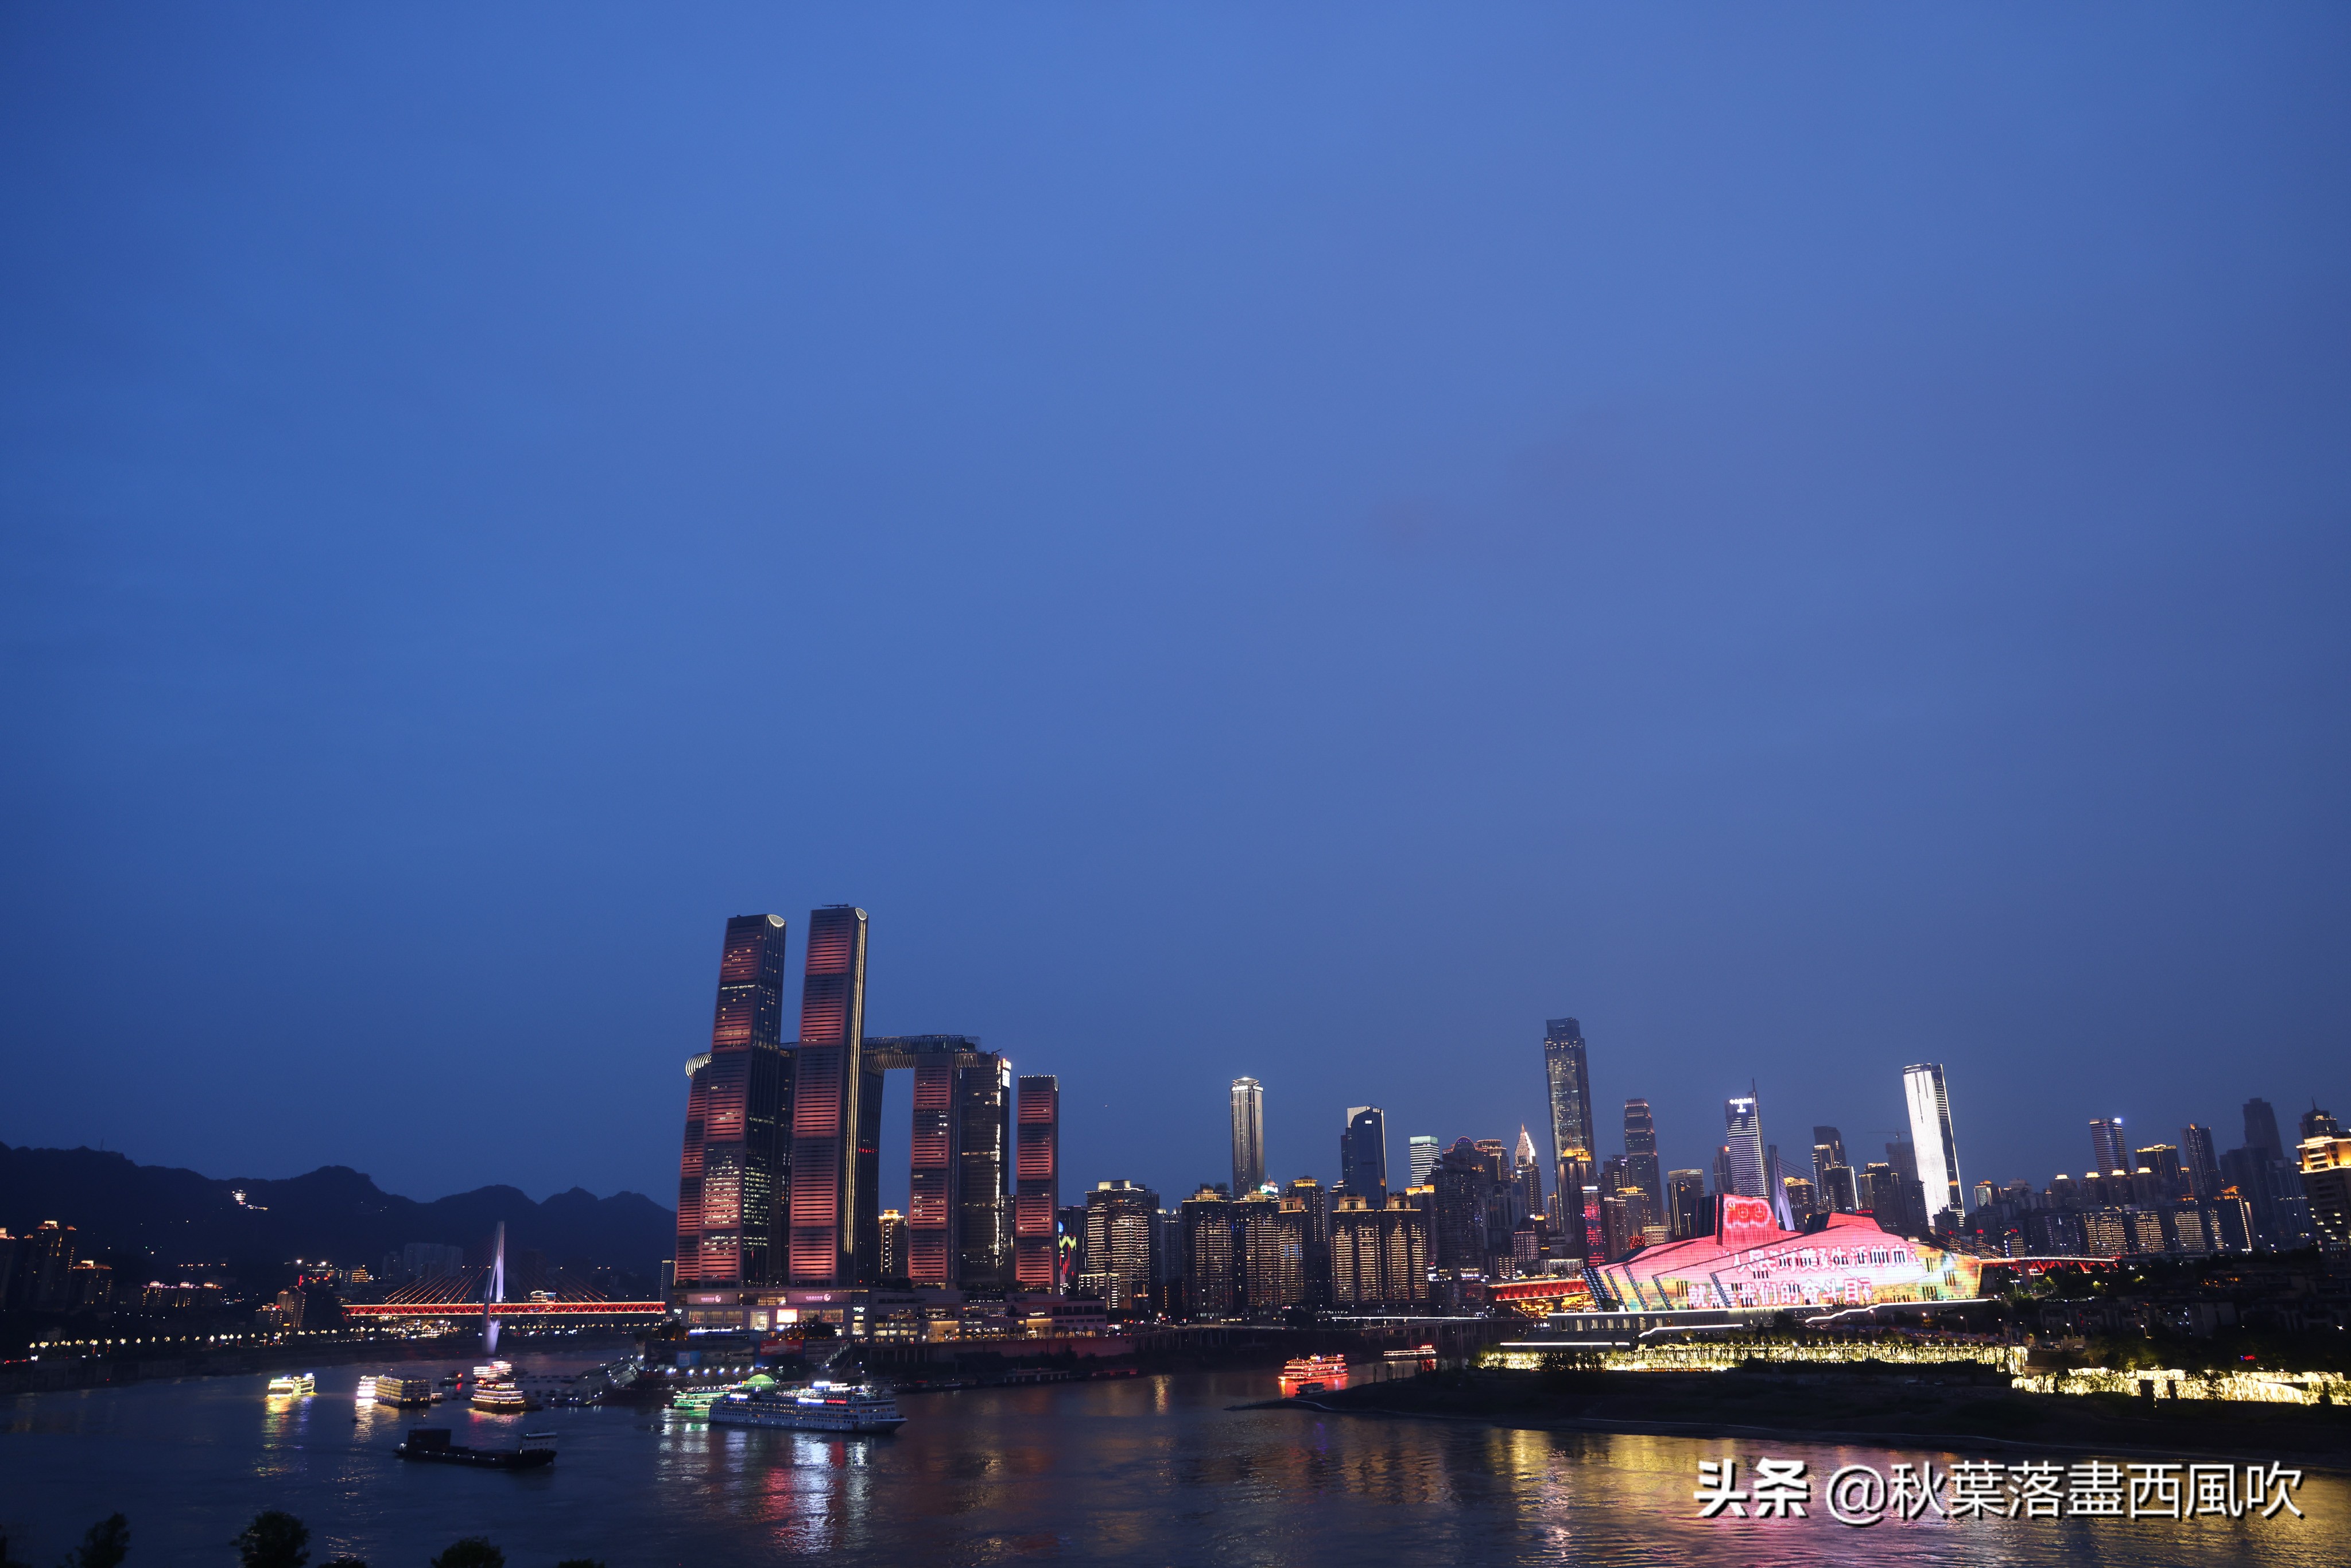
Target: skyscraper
{"points": [[2203, 1164], [832, 1126], [1526, 1171], [1641, 1154], [1248, 1137], [1572, 1139], [1119, 1220], [735, 1170], [958, 1225], [2261, 1129], [1686, 1205], [2106, 1146], [1742, 1121], [1211, 1267], [1423, 1156], [1929, 1100], [1037, 1172], [1363, 1154]]}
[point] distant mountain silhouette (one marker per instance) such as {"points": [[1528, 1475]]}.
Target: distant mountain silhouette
{"points": [[334, 1212]]}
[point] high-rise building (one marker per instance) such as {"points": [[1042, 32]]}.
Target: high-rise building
{"points": [[1037, 1172], [1685, 1206], [2325, 1161], [1838, 1190], [1725, 1180], [2318, 1124], [1118, 1249], [2203, 1164], [1424, 1151], [1363, 1154], [2107, 1151], [1928, 1097], [1572, 1137], [959, 1227], [1270, 1277], [735, 1170], [2162, 1160], [1379, 1257], [1803, 1199], [1526, 1170], [2261, 1129], [1212, 1266], [1248, 1137], [1827, 1141], [1742, 1120], [836, 1111], [1641, 1153], [1307, 1196], [1464, 1183]]}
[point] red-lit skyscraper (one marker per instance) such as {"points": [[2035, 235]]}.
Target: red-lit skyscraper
{"points": [[1037, 1172], [732, 1173], [831, 1117]]}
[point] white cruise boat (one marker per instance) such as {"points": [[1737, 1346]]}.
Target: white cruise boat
{"points": [[821, 1407], [293, 1383]]}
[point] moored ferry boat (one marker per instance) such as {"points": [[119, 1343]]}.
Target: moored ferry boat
{"points": [[297, 1383], [494, 1392], [821, 1407], [1313, 1375]]}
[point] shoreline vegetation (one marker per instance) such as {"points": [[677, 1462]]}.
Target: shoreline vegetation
{"points": [[1881, 1405]]}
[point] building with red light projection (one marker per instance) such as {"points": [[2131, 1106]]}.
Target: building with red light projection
{"points": [[1037, 1170], [958, 1233], [833, 1130], [1838, 1260], [733, 1171]]}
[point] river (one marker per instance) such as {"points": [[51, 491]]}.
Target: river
{"points": [[1146, 1471]]}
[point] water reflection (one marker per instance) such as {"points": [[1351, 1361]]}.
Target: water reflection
{"points": [[1154, 1471]]}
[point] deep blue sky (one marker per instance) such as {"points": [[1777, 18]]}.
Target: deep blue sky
{"points": [[1288, 541]]}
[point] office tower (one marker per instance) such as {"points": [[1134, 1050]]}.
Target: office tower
{"points": [[1838, 1190], [2107, 1151], [1037, 1202], [1571, 1132], [1526, 1170], [2162, 1160], [1308, 1196], [1685, 1207], [1910, 1210], [1463, 1181], [1881, 1194], [2261, 1129], [1363, 1154], [959, 1230], [1167, 1262], [1726, 1182], [1929, 1095], [1832, 1141], [1404, 1248], [893, 1265], [1424, 1151], [2203, 1164], [1248, 1137], [836, 1111], [734, 1172], [1742, 1120], [1212, 1270], [1120, 1216], [1803, 1199], [1354, 1255], [1641, 1153], [2318, 1124]]}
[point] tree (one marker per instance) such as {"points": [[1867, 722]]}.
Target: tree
{"points": [[103, 1546], [580, 1562], [275, 1540], [473, 1551]]}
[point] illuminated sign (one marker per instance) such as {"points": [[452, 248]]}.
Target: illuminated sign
{"points": [[1751, 1262]]}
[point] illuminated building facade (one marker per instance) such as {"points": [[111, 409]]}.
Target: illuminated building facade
{"points": [[2326, 1162], [2106, 1146], [1380, 1257], [1526, 1170], [1119, 1217], [836, 1138], [735, 1168], [1751, 1260], [1685, 1206], [1211, 1267], [1307, 1196], [1423, 1157], [1248, 1137], [1928, 1097], [891, 1266], [1641, 1154], [1272, 1277], [1742, 1124], [1569, 1081], [2197, 1153], [957, 1234], [1038, 1196]]}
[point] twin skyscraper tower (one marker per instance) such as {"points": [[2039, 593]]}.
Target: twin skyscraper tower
{"points": [[779, 1186]]}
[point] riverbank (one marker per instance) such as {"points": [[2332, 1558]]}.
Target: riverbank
{"points": [[112, 1371], [1964, 1408]]}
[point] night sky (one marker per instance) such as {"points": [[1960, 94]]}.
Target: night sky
{"points": [[1299, 541]]}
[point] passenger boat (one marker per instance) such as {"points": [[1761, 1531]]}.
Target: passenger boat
{"points": [[293, 1383], [1314, 1374], [390, 1389], [432, 1444], [860, 1409]]}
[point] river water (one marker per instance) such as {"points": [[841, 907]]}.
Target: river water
{"points": [[1148, 1470]]}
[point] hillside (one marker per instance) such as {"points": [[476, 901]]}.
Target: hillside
{"points": [[333, 1212]]}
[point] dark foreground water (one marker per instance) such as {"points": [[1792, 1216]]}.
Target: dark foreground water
{"points": [[1146, 1471]]}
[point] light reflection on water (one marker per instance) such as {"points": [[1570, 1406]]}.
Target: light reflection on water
{"points": [[1143, 1470]]}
